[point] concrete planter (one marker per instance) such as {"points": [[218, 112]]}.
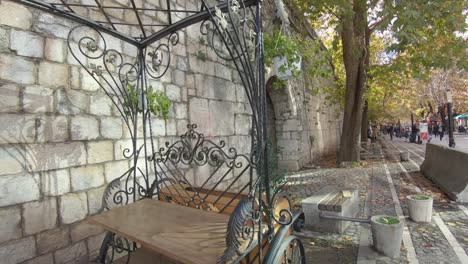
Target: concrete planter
{"points": [[420, 207], [387, 237], [404, 156]]}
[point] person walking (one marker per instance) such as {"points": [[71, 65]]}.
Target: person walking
{"points": [[441, 131], [436, 130], [390, 131]]}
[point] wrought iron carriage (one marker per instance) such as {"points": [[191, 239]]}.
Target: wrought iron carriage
{"points": [[227, 182]]}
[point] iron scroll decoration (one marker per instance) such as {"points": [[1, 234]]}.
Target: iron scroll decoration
{"points": [[233, 30]]}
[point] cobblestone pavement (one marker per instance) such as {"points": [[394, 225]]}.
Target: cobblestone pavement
{"points": [[444, 241]]}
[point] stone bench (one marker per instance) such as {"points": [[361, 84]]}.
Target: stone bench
{"points": [[333, 203]]}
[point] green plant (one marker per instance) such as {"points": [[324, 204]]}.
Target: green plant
{"points": [[201, 55], [420, 197], [280, 45], [388, 220], [158, 102]]}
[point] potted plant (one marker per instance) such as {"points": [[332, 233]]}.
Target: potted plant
{"points": [[387, 234], [420, 207], [283, 54]]}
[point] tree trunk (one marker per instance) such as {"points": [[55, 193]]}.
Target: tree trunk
{"points": [[355, 51]]}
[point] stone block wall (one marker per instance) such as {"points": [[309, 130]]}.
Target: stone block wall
{"points": [[61, 138]]}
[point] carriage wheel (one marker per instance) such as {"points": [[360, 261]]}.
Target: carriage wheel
{"points": [[291, 251]]}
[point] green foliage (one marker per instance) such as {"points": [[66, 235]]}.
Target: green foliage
{"points": [[280, 45], [420, 197], [388, 220], [201, 55], [158, 102]]}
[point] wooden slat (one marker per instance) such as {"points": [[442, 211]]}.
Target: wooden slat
{"points": [[182, 234]]}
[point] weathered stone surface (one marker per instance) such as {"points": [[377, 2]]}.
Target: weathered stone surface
{"points": [[243, 124], [180, 111], [199, 114], [100, 105], [10, 225], [44, 259], [52, 240], [71, 101], [16, 189], [115, 169], [94, 244], [120, 146], [17, 128], [11, 160], [75, 79], [52, 25], [83, 178], [223, 71], [221, 118], [73, 207], [52, 129], [111, 128], [199, 66], [171, 127], [15, 15], [4, 39], [38, 99], [18, 250], [83, 229], [83, 127], [87, 82], [73, 254], [59, 155], [158, 127], [95, 200], [9, 98], [182, 63], [181, 126], [55, 182], [100, 151], [215, 88], [173, 92], [39, 216], [17, 69], [55, 49], [178, 78], [27, 44], [53, 74]]}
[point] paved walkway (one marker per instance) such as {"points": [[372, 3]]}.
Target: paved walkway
{"points": [[383, 184]]}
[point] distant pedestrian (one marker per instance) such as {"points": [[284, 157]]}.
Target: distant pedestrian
{"points": [[441, 131], [436, 130], [390, 131]]}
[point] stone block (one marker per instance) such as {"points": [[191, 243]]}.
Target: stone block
{"points": [[10, 225], [27, 44], [52, 240], [84, 128], [182, 63], [17, 69], [223, 72], [199, 114], [75, 79], [55, 182], [180, 111], [94, 244], [18, 250], [115, 169], [59, 155], [215, 88], [71, 102], [17, 128], [100, 105], [221, 118], [52, 25], [4, 40], [15, 15], [100, 151], [83, 229], [44, 259], [83, 178], [53, 74], [9, 98], [171, 127], [178, 78], [38, 99], [445, 167], [173, 93], [199, 66], [111, 128], [73, 207], [76, 253], [39, 216], [11, 160], [243, 124], [52, 129], [88, 83], [120, 146], [55, 49], [95, 200], [16, 189], [158, 127], [312, 212], [181, 126]]}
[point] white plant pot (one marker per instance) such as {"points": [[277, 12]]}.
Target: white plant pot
{"points": [[420, 210], [287, 74], [404, 156], [387, 238]]}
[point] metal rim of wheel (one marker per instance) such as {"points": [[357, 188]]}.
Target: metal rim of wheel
{"points": [[291, 251]]}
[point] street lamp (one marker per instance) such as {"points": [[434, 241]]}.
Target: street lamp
{"points": [[449, 112]]}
